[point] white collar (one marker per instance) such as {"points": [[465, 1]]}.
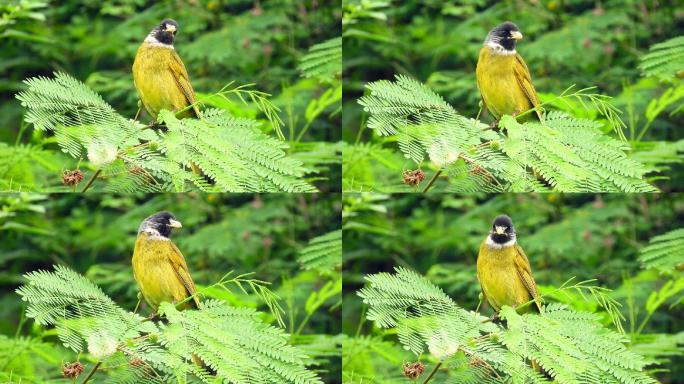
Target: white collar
{"points": [[152, 234], [153, 42], [498, 49], [492, 244]]}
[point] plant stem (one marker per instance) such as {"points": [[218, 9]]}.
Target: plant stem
{"points": [[432, 373], [303, 131], [432, 181], [644, 130], [303, 323], [91, 373], [643, 323], [92, 179]]}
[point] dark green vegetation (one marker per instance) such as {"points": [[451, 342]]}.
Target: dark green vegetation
{"points": [[270, 72], [631, 244], [612, 46], [267, 239]]}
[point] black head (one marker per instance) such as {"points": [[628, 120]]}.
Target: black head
{"points": [[166, 31], [160, 224], [502, 230], [505, 35]]}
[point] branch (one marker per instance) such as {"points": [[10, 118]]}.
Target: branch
{"points": [[91, 373], [92, 179], [432, 180], [432, 373]]}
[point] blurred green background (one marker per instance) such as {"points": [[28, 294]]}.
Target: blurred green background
{"points": [[581, 42], [220, 41], [564, 236], [94, 235]]}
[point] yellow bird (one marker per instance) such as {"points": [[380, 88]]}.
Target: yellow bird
{"points": [[503, 79], [503, 269], [160, 76], [159, 266]]}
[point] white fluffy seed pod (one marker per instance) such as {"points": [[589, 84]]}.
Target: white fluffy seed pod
{"points": [[101, 344], [101, 153]]}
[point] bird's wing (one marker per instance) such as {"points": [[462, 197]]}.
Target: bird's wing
{"points": [[181, 268], [482, 100], [180, 74], [522, 265], [522, 74]]}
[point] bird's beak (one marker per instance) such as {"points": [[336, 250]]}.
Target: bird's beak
{"points": [[175, 224], [516, 35], [172, 28], [500, 230]]}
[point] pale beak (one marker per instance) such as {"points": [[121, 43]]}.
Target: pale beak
{"points": [[172, 28], [516, 35], [175, 224], [500, 230]]}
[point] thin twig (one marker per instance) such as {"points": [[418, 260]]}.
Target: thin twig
{"points": [[432, 373], [471, 161], [91, 373], [92, 179], [432, 181]]}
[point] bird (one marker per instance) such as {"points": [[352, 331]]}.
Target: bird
{"points": [[159, 267], [159, 74], [503, 78], [504, 271]]}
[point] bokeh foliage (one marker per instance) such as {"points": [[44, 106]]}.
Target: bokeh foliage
{"points": [[94, 235], [582, 236], [577, 42], [221, 42]]}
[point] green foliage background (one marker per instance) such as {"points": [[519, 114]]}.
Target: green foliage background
{"points": [[582, 236], [244, 42], [585, 43], [94, 235]]}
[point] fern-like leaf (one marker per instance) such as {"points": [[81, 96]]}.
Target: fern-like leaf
{"points": [[232, 341], [664, 59], [323, 60], [664, 252], [232, 152], [571, 346], [561, 153], [323, 253]]}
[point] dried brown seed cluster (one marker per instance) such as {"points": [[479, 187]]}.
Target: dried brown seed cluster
{"points": [[413, 177], [72, 370], [413, 370], [72, 178]]}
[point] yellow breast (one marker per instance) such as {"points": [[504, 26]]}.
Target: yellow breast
{"points": [[496, 80], [155, 80], [156, 277], [499, 278]]}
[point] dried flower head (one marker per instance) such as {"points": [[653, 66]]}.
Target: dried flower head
{"points": [[72, 178], [72, 370], [413, 370], [413, 177]]}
